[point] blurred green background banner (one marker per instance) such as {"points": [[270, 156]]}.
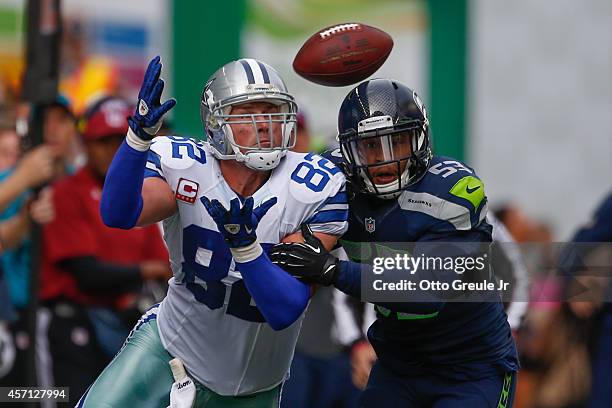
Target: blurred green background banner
{"points": [[205, 35]]}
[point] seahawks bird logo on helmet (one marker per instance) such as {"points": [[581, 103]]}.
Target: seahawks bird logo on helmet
{"points": [[383, 132]]}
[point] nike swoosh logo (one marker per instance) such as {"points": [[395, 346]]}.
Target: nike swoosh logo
{"points": [[471, 190], [315, 250], [248, 230]]}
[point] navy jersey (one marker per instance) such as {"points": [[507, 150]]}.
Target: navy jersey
{"points": [[462, 340], [599, 228]]}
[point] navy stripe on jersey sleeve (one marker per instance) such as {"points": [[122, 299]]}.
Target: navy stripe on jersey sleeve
{"points": [[152, 173], [154, 159], [332, 215], [153, 167], [328, 216], [339, 198]]}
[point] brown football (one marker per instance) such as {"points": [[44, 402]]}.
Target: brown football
{"points": [[343, 54]]}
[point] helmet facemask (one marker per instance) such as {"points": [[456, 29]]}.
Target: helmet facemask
{"points": [[275, 132], [386, 159]]}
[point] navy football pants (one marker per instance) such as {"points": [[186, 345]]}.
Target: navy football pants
{"points": [[386, 389]]}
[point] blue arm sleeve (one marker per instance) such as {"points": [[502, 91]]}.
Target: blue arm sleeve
{"points": [[279, 296], [349, 282], [121, 202]]}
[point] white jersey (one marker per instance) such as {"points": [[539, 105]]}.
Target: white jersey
{"points": [[208, 318]]}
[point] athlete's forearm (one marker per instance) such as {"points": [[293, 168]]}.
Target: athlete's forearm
{"points": [[279, 296], [121, 202], [348, 281]]}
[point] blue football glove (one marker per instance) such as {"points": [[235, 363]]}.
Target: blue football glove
{"points": [[237, 225], [150, 111]]}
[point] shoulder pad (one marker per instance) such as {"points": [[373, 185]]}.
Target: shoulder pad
{"points": [[177, 152], [313, 177], [455, 181], [334, 156], [452, 192]]}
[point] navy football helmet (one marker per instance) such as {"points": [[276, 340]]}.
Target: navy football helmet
{"points": [[383, 132]]}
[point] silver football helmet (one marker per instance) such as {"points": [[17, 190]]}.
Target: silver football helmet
{"points": [[245, 81]]}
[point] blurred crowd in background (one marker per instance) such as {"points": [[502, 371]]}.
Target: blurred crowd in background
{"points": [[95, 282]]}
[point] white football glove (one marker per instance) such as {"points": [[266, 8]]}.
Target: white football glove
{"points": [[183, 391]]}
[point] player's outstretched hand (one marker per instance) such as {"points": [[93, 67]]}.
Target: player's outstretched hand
{"points": [[150, 111], [237, 225], [308, 261]]}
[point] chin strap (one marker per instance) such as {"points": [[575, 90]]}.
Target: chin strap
{"points": [[260, 161]]}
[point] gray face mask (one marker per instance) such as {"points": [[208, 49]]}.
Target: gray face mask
{"points": [[249, 81]]}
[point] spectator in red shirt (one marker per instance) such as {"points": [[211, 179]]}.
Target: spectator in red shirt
{"points": [[90, 272]]}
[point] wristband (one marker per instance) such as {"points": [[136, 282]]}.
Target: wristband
{"points": [[248, 253], [136, 142]]}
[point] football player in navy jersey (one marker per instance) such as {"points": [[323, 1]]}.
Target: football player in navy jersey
{"points": [[431, 353]]}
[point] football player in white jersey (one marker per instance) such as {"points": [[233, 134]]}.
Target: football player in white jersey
{"points": [[230, 315]]}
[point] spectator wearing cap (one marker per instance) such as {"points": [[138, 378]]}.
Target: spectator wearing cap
{"points": [[90, 272], [61, 135]]}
